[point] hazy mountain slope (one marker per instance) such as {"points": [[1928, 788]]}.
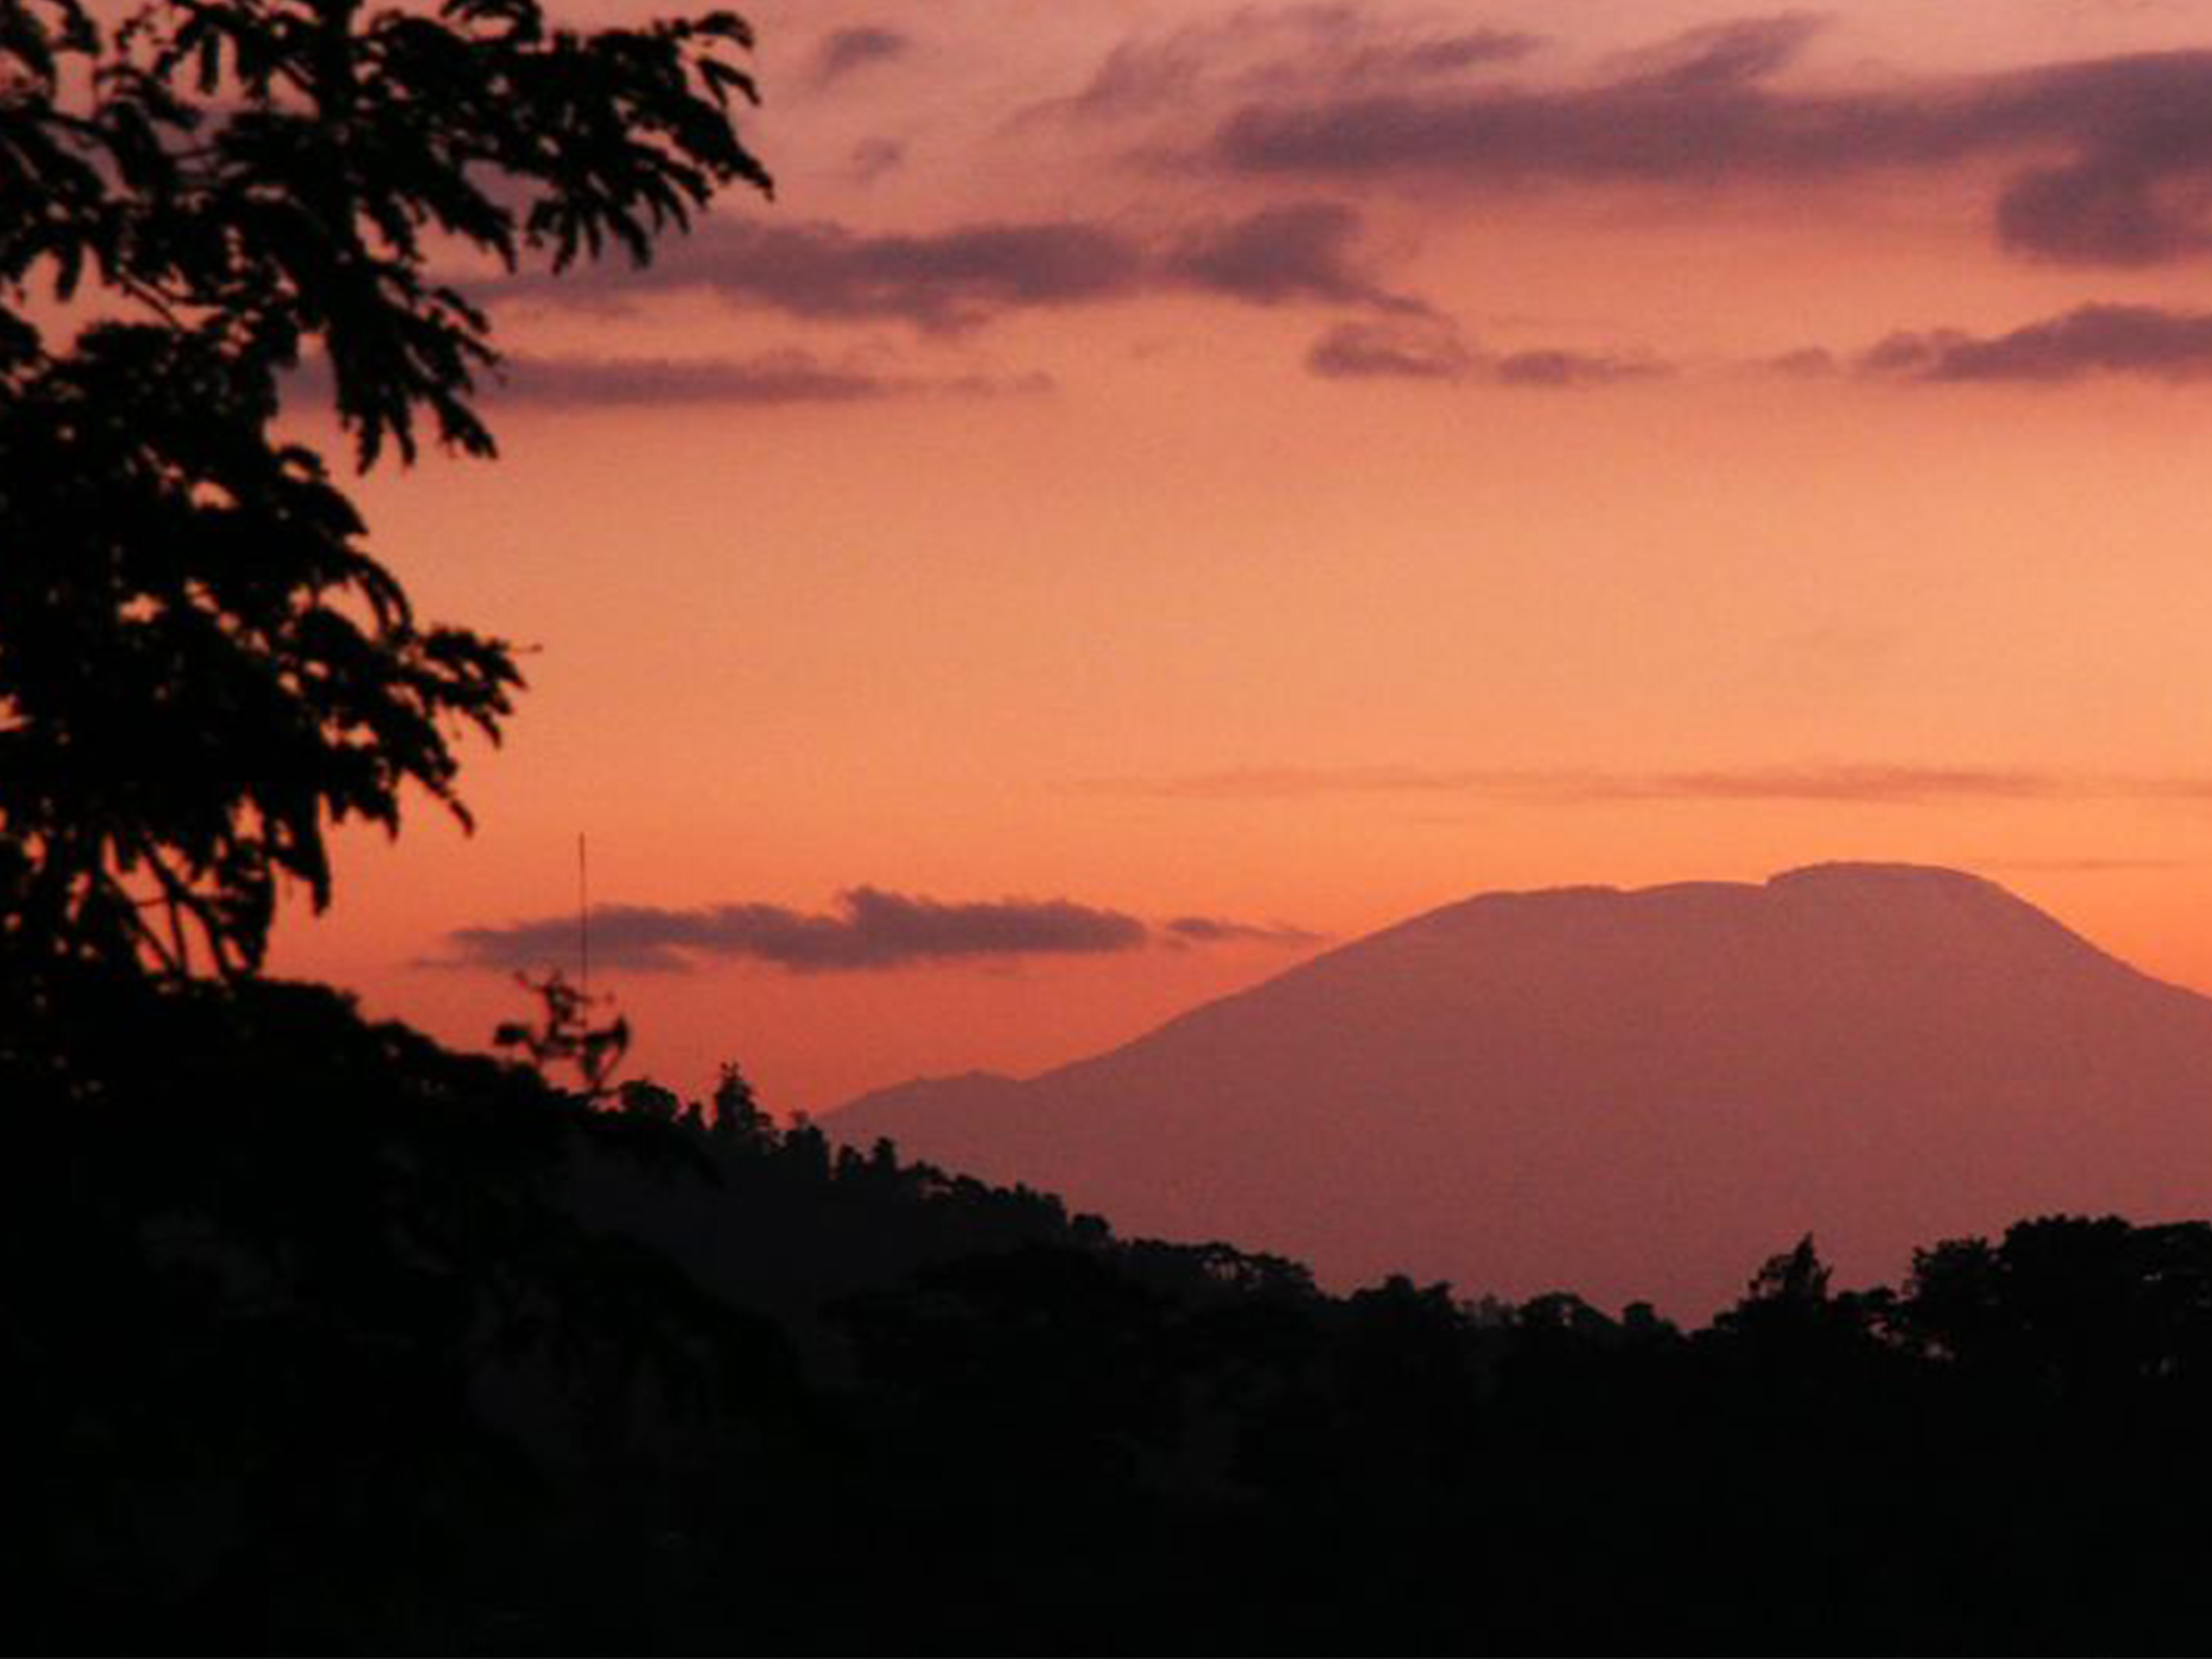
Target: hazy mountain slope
{"points": [[1627, 1093]]}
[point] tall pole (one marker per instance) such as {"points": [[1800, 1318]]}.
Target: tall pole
{"points": [[583, 915]]}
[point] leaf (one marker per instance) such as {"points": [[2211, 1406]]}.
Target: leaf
{"points": [[202, 664]]}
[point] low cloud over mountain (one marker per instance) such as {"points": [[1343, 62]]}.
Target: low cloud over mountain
{"points": [[868, 929]]}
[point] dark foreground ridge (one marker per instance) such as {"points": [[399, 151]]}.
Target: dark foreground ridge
{"points": [[321, 1339]]}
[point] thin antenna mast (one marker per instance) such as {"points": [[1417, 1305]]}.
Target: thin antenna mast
{"points": [[583, 915]]}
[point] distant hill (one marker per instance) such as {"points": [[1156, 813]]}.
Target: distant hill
{"points": [[1631, 1094]]}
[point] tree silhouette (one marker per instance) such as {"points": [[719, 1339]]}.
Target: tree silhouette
{"points": [[200, 662], [565, 1036]]}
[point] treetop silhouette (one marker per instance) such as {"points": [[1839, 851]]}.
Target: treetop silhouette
{"points": [[201, 661]]}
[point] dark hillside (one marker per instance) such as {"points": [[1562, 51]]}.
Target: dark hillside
{"points": [[321, 1337]]}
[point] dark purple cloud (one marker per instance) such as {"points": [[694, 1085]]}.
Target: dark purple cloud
{"points": [[772, 378], [2096, 340], [1731, 53], [1430, 348], [2112, 157], [963, 276], [2133, 191], [768, 378], [869, 928], [1303, 251], [939, 279], [1316, 48], [1692, 110], [845, 50], [1424, 58], [1552, 369], [1405, 350]]}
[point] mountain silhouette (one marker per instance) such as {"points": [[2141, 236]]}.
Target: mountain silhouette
{"points": [[1630, 1094]]}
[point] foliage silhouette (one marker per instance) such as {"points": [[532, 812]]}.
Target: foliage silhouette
{"points": [[325, 1337], [200, 662], [566, 1036], [303, 1346]]}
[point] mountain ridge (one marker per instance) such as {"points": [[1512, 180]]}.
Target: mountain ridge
{"points": [[1630, 1091]]}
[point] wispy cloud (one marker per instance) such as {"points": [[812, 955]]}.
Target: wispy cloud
{"points": [[1553, 367], [770, 378], [2144, 341], [873, 157], [818, 270], [1427, 350], [963, 275], [1331, 46], [1807, 363], [1732, 53], [1307, 250], [868, 929], [1430, 348], [1212, 930], [845, 51], [1873, 784]]}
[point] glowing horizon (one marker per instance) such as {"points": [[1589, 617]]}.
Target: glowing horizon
{"points": [[1297, 474]]}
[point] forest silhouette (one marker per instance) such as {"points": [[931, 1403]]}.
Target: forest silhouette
{"points": [[319, 1336], [322, 1337]]}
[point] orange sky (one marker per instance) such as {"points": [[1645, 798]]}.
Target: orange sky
{"points": [[983, 569]]}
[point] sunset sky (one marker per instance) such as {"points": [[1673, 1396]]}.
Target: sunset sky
{"points": [[1166, 485]]}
